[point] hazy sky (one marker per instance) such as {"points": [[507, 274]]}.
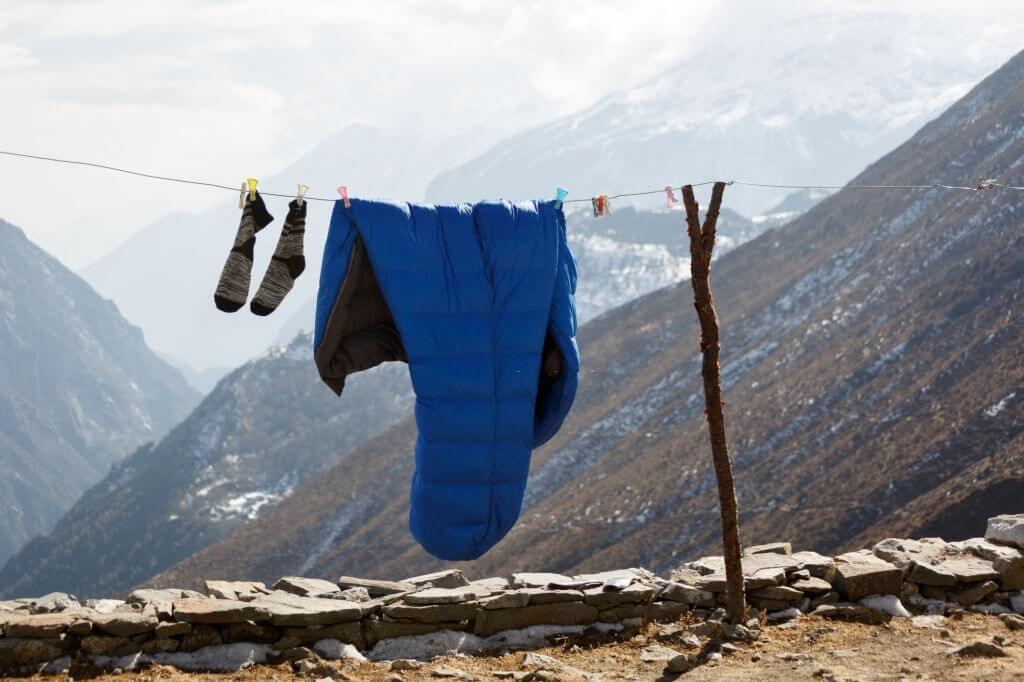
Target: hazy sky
{"points": [[217, 90]]}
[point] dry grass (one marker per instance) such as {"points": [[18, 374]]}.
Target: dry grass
{"points": [[847, 651]]}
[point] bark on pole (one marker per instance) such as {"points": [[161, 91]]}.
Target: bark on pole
{"points": [[702, 245]]}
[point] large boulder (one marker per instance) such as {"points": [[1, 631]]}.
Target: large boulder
{"points": [[305, 587], [436, 613], [124, 624], [818, 565], [452, 577], [17, 653], [40, 626], [1007, 560], [218, 611], [285, 608], [759, 570], [860, 574], [1007, 529], [376, 588], [932, 561], [447, 595], [488, 622]]}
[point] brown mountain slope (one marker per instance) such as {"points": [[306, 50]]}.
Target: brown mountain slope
{"points": [[866, 346]]}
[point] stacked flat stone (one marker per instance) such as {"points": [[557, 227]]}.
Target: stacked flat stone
{"points": [[895, 577]]}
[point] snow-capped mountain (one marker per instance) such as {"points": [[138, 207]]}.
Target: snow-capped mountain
{"points": [[825, 97]]}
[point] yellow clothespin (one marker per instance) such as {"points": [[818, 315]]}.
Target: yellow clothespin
{"points": [[252, 188]]}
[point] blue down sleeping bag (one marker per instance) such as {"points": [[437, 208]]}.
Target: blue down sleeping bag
{"points": [[478, 299]]}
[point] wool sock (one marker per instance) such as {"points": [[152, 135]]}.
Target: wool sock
{"points": [[286, 264], [233, 286]]}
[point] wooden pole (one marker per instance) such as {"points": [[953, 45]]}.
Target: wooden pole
{"points": [[702, 244]]}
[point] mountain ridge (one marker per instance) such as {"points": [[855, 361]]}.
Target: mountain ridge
{"points": [[833, 93], [78, 388]]}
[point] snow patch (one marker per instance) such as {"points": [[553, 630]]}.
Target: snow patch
{"points": [[446, 642], [222, 658], [886, 603], [990, 609], [994, 410], [792, 613], [248, 505], [336, 650]]}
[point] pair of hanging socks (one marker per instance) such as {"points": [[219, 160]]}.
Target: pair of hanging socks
{"points": [[233, 285], [286, 264]]}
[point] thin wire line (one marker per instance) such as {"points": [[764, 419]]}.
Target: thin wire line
{"points": [[996, 184], [152, 176], [640, 194], [984, 184]]}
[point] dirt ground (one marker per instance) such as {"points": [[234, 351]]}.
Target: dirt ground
{"points": [[817, 649]]}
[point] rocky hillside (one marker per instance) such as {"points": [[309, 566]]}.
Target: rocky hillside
{"points": [[79, 389], [927, 584], [263, 431], [871, 355]]}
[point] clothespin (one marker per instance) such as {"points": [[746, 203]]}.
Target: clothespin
{"points": [[985, 183], [343, 191], [601, 205], [241, 197], [560, 195], [670, 197], [300, 198], [252, 188]]}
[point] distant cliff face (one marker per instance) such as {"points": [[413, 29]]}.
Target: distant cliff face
{"points": [[79, 389], [871, 362]]}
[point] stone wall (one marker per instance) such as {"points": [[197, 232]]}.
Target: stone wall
{"points": [[895, 578]]}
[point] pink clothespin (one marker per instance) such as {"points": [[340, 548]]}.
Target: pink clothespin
{"points": [[343, 191], [671, 197]]}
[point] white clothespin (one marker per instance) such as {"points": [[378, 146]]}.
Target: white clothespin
{"points": [[241, 196], [300, 197]]}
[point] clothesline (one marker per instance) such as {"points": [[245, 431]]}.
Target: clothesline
{"points": [[983, 184]]}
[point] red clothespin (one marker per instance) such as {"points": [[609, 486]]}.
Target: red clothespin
{"points": [[600, 204], [671, 200], [343, 191]]}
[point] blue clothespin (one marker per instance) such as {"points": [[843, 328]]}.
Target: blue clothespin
{"points": [[560, 195]]}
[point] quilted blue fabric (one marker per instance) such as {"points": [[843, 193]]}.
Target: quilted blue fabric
{"points": [[474, 289]]}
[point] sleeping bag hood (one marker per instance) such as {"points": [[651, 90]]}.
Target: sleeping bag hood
{"points": [[478, 300]]}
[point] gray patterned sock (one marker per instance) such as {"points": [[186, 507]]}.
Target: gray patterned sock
{"points": [[233, 286], [286, 264]]}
